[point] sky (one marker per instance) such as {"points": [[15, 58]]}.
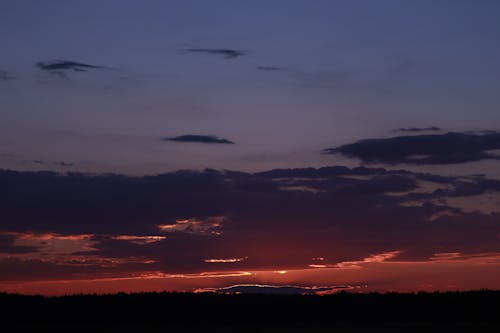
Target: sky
{"points": [[196, 145]]}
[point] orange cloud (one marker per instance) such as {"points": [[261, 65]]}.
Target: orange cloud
{"points": [[210, 225], [53, 243], [374, 258], [139, 239], [225, 260]]}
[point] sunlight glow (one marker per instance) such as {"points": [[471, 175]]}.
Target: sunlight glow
{"points": [[139, 239], [226, 260]]}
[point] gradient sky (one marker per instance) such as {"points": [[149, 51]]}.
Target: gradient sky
{"points": [[103, 94]]}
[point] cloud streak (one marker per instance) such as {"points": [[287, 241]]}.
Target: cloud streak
{"points": [[225, 53], [199, 139], [418, 129]]}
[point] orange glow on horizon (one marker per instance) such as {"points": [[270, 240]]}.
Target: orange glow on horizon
{"points": [[374, 273]]}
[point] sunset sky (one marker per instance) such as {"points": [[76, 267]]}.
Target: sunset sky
{"points": [[197, 145]]}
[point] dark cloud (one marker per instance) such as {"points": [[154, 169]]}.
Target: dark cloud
{"points": [[66, 65], [62, 67], [173, 222], [5, 76], [418, 129], [449, 148], [199, 139], [226, 53]]}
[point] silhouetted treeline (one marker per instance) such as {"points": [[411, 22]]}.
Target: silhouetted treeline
{"points": [[185, 311]]}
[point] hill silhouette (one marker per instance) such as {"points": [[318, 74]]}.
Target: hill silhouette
{"points": [[276, 290], [207, 312]]}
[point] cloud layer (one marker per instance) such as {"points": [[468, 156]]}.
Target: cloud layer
{"points": [[75, 225]]}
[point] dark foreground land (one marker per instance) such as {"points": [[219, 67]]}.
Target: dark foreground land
{"points": [[475, 311]]}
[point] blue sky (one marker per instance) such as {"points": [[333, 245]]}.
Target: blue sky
{"points": [[349, 70]]}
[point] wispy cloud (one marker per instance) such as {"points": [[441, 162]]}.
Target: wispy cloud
{"points": [[50, 244], [141, 240], [199, 139], [226, 53], [224, 260], [418, 129], [209, 225]]}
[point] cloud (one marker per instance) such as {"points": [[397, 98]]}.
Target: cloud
{"points": [[199, 139], [449, 148], [224, 260], [5, 76], [141, 240], [9, 247], [190, 222], [47, 247], [209, 225], [418, 129], [62, 67], [226, 53]]}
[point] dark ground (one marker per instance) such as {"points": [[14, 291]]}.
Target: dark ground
{"points": [[475, 311]]}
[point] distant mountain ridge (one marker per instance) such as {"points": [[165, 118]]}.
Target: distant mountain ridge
{"points": [[277, 290]]}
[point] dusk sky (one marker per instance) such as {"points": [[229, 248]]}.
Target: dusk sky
{"points": [[186, 145]]}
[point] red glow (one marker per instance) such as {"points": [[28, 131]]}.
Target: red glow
{"points": [[140, 239], [369, 275], [225, 260]]}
